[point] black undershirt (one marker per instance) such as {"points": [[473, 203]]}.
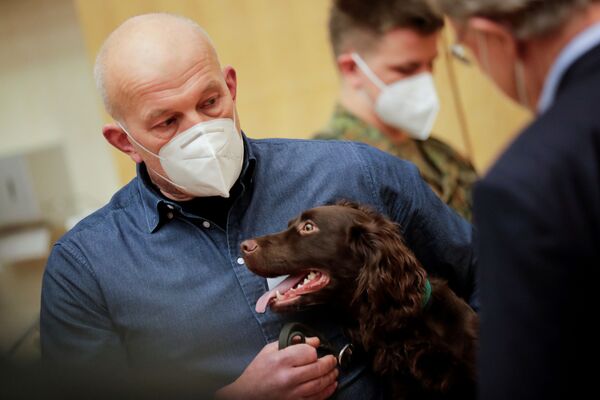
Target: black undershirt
{"points": [[213, 209]]}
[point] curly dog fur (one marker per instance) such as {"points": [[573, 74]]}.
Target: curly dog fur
{"points": [[423, 345]]}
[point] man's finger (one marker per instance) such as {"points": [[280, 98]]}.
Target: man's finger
{"points": [[324, 394], [323, 366], [270, 348], [298, 355], [313, 341], [318, 384]]}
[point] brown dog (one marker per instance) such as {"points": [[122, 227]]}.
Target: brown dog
{"points": [[417, 332]]}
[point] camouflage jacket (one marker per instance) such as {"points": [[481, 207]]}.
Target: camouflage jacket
{"points": [[448, 173]]}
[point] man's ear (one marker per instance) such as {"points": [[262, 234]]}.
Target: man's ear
{"points": [[231, 80], [496, 35], [349, 71], [119, 139]]}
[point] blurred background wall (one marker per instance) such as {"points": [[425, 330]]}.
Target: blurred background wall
{"points": [[48, 100], [55, 165]]}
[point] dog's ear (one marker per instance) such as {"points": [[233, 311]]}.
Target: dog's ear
{"points": [[363, 237], [359, 235], [391, 281]]}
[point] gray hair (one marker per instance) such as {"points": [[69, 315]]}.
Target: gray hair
{"points": [[525, 18], [101, 58]]}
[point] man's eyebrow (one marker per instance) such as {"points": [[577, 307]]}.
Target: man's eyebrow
{"points": [[154, 114], [414, 62]]}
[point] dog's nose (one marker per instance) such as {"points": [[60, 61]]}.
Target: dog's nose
{"points": [[249, 246]]}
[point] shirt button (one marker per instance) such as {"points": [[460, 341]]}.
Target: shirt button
{"points": [[170, 215], [240, 261], [206, 224]]}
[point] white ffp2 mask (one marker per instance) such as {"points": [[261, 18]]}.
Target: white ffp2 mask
{"points": [[204, 160], [410, 104]]}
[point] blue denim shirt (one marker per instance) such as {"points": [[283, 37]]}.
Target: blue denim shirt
{"points": [[146, 282]]}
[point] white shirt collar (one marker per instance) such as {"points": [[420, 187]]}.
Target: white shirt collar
{"points": [[576, 48]]}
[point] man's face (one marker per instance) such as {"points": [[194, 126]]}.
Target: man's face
{"points": [[165, 106], [399, 54], [163, 102], [496, 52]]}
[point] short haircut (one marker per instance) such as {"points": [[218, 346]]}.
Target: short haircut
{"points": [[359, 23], [525, 18]]}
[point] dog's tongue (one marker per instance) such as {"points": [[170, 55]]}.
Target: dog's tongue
{"points": [[287, 284]]}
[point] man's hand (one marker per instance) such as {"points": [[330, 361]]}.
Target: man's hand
{"points": [[292, 373]]}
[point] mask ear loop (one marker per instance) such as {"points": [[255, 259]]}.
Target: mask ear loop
{"points": [[483, 50], [520, 84], [130, 136], [368, 71], [151, 153]]}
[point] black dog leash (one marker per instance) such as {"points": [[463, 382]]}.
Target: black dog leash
{"points": [[295, 332]]}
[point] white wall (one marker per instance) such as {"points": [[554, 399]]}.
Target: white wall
{"points": [[48, 98]]}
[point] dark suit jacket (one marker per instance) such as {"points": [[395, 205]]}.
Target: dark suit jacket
{"points": [[538, 215]]}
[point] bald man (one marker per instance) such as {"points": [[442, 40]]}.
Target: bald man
{"points": [[156, 276]]}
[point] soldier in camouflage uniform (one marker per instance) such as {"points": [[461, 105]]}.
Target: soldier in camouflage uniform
{"points": [[380, 30], [449, 174]]}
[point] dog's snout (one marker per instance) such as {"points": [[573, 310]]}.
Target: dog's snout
{"points": [[249, 246]]}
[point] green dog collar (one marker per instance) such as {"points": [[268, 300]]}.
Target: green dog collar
{"points": [[426, 293]]}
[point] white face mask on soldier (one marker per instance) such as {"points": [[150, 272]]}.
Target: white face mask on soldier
{"points": [[410, 104], [204, 160]]}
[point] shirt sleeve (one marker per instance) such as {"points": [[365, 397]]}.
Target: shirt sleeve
{"points": [[74, 324], [439, 237]]}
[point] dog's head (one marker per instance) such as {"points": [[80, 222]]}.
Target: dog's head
{"points": [[336, 254]]}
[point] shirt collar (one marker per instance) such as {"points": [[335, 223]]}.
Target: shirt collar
{"points": [[580, 45], [156, 206]]}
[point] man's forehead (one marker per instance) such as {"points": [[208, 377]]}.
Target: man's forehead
{"points": [[158, 67], [147, 55], [400, 41], [152, 89]]}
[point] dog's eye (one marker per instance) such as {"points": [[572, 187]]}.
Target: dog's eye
{"points": [[308, 227]]}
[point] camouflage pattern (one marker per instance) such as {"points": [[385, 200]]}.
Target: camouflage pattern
{"points": [[449, 174]]}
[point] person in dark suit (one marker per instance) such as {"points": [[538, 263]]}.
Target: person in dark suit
{"points": [[538, 208]]}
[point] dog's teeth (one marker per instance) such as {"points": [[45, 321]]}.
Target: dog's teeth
{"points": [[306, 280], [311, 276], [279, 295]]}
